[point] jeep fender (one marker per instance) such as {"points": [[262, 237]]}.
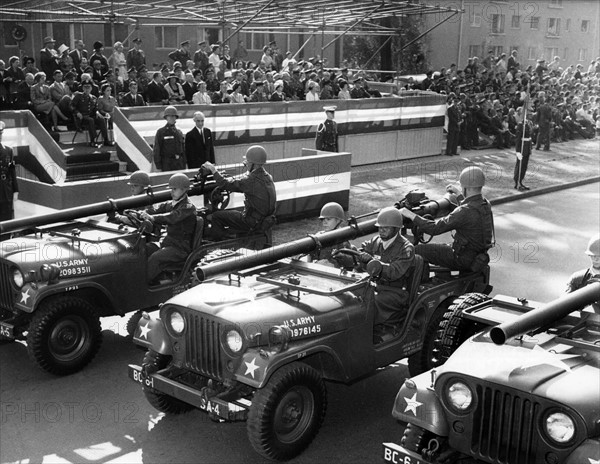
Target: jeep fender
{"points": [[152, 335], [588, 451], [417, 403]]}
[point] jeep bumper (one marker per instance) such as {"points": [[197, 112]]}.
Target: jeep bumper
{"points": [[214, 406], [396, 454]]}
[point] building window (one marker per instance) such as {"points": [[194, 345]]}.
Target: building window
{"points": [[9, 40], [255, 41], [553, 27], [585, 25], [498, 50], [121, 31], [532, 53], [565, 55], [476, 20], [582, 54], [497, 24], [556, 4], [165, 36], [515, 22], [568, 25], [550, 53], [474, 50], [61, 33], [534, 22]]}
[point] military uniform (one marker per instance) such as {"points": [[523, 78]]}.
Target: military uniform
{"points": [[524, 142], [473, 224], [327, 136], [390, 295], [544, 118], [180, 219], [579, 280], [86, 104], [169, 149], [259, 203], [135, 58], [8, 183]]}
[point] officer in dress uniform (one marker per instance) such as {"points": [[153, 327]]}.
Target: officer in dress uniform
{"points": [[472, 222], [84, 107], [327, 132], [169, 144], [523, 149], [592, 274], [260, 197], [135, 56], [182, 54], [9, 188]]}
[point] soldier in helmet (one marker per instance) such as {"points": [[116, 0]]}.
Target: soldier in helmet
{"points": [[332, 217], [169, 144], [472, 222], [138, 182], [9, 188], [592, 274], [179, 216], [327, 132], [387, 257], [259, 197]]}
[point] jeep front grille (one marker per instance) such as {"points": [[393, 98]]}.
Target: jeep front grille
{"points": [[6, 293], [505, 426], [202, 348]]}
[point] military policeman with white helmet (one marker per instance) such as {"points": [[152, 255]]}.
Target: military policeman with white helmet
{"points": [[259, 197], [472, 222], [169, 142], [327, 132], [387, 257], [179, 215]]}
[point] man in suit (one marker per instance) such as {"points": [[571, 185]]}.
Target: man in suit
{"points": [[454, 121], [544, 118], [49, 58], [201, 57], [156, 92], [78, 53], [199, 146], [133, 98]]}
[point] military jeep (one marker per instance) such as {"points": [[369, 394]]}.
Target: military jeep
{"points": [[58, 280], [524, 391], [258, 344]]}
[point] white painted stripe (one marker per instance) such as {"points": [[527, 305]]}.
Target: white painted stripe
{"points": [[131, 150], [302, 188], [250, 121]]}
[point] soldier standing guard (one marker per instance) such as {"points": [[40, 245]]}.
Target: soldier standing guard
{"points": [[327, 132], [135, 56], [9, 188], [169, 144]]}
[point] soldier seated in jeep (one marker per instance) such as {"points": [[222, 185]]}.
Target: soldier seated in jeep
{"points": [[179, 215], [592, 274]]}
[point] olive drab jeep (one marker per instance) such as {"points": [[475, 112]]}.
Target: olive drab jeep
{"points": [[60, 279], [526, 389], [258, 344]]}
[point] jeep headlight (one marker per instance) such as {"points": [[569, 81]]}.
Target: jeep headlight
{"points": [[177, 322], [459, 395], [18, 277], [559, 427], [234, 341]]}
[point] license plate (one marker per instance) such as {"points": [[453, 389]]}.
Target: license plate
{"points": [[397, 455], [6, 330], [135, 374]]}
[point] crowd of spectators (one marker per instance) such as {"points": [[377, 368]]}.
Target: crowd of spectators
{"points": [[487, 92], [493, 94]]}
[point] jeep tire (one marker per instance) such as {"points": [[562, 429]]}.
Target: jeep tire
{"points": [[455, 328], [64, 335], [154, 362], [287, 412], [428, 357], [132, 323]]}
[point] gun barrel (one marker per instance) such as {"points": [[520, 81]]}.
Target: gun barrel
{"points": [[542, 316], [286, 250], [93, 209]]}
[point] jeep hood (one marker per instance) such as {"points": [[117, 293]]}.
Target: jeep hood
{"points": [[538, 366], [266, 306]]}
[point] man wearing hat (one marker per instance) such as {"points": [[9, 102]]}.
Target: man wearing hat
{"points": [[259, 94], [359, 90], [135, 56], [182, 54], [260, 197], [49, 58], [9, 188], [327, 132], [169, 142], [201, 57], [84, 107], [79, 53]]}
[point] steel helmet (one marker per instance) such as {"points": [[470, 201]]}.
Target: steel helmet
{"points": [[256, 155], [332, 210], [139, 178], [472, 177], [593, 248], [389, 217], [170, 111], [179, 180]]}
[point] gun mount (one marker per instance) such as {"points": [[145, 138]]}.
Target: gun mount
{"points": [[541, 317]]}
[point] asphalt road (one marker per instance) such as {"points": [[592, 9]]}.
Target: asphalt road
{"points": [[98, 415]]}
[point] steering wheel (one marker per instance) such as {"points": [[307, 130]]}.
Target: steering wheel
{"points": [[143, 226], [219, 198], [418, 234], [348, 252]]}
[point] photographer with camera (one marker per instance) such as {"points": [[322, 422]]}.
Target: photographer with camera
{"points": [[472, 222]]}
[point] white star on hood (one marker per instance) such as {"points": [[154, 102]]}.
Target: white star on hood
{"points": [[412, 404], [251, 367]]}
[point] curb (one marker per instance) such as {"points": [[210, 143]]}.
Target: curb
{"points": [[544, 190]]}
